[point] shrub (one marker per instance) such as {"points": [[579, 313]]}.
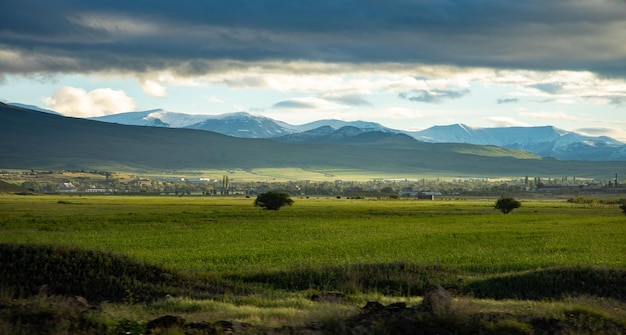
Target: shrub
{"points": [[507, 204], [623, 207], [273, 200]]}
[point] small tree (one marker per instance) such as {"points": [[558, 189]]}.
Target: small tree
{"points": [[623, 207], [273, 200], [507, 204]]}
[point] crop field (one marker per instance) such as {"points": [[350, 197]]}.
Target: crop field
{"points": [[329, 244], [229, 234]]}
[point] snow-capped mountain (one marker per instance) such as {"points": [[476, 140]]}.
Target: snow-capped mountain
{"points": [[35, 108], [546, 141], [153, 118], [243, 125], [239, 124]]}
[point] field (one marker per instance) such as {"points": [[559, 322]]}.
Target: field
{"points": [[263, 266]]}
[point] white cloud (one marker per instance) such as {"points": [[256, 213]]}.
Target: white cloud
{"points": [[215, 99], [72, 101], [550, 116], [402, 113], [308, 103], [153, 88], [616, 133], [155, 83], [505, 121]]}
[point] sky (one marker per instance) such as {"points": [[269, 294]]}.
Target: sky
{"points": [[406, 64]]}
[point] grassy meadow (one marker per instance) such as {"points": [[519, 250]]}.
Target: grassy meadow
{"points": [[238, 262]]}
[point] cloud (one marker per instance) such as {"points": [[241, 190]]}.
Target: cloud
{"points": [[550, 116], [432, 96], [505, 121], [617, 100], [72, 101], [293, 104], [153, 88], [507, 101], [616, 133], [550, 88], [307, 103], [356, 100], [198, 37], [402, 113], [215, 99]]}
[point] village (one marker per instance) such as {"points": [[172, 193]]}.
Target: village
{"points": [[101, 182]]}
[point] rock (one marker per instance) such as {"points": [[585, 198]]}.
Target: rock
{"points": [[81, 304], [164, 322], [373, 306], [436, 300], [203, 326], [314, 325], [231, 327], [396, 306]]}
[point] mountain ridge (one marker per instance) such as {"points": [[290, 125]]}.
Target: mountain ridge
{"points": [[545, 141], [35, 140]]}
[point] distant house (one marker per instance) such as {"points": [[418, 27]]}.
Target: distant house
{"points": [[140, 182], [428, 195], [67, 187], [101, 190]]}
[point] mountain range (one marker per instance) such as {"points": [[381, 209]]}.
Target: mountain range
{"points": [[31, 139], [545, 141]]}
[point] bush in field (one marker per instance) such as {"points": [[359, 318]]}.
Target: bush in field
{"points": [[273, 200], [507, 204], [623, 207]]}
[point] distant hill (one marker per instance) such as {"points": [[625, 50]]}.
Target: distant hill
{"points": [[35, 140], [354, 135], [327, 135], [337, 124], [545, 141]]}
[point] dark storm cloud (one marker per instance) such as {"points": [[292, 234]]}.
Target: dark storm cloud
{"points": [[196, 37], [507, 101], [432, 96]]}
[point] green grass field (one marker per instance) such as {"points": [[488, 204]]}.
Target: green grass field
{"points": [[219, 234], [269, 262]]}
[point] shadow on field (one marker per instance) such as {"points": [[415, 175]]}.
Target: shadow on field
{"points": [[402, 279], [553, 283], [395, 279], [28, 270]]}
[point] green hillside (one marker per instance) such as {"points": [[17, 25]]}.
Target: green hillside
{"points": [[36, 140]]}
